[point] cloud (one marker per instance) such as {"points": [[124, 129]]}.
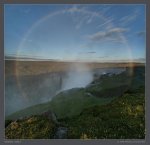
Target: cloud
{"points": [[113, 34], [91, 52], [103, 56], [29, 40], [129, 18], [118, 30], [138, 60], [86, 16], [80, 19], [105, 8], [141, 33], [142, 59], [106, 22], [27, 11], [73, 9]]}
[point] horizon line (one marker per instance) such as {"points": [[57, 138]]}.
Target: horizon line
{"points": [[79, 61]]}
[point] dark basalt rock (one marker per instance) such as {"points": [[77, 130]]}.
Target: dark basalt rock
{"points": [[50, 115]]}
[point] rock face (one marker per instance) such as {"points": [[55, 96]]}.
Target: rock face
{"points": [[50, 115], [61, 133]]}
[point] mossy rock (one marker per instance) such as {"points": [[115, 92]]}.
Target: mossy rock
{"points": [[34, 127]]}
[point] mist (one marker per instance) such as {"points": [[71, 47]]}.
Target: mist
{"points": [[25, 91], [29, 90], [78, 75]]}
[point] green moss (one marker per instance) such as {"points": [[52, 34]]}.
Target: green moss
{"points": [[123, 118]]}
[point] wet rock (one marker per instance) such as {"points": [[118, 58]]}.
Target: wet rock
{"points": [[50, 115], [61, 133]]}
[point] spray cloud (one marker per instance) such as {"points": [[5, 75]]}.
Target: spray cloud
{"points": [[79, 75]]}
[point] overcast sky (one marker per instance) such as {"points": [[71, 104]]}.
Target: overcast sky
{"points": [[75, 32]]}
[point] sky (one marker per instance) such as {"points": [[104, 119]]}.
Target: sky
{"points": [[66, 32]]}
